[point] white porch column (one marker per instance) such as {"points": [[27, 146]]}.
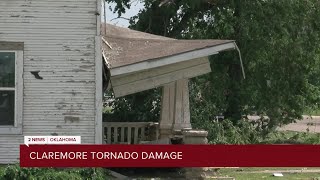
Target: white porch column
{"points": [[167, 110], [182, 109], [175, 110]]}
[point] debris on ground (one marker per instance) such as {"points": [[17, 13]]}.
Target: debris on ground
{"points": [[278, 174]]}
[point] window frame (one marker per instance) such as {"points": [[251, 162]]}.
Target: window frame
{"points": [[18, 92]]}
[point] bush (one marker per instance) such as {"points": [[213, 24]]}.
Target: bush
{"points": [[1, 171], [14, 172], [226, 132], [62, 175]]}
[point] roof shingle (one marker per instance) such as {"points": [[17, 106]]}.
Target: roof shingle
{"points": [[130, 47]]}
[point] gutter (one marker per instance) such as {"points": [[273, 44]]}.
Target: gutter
{"points": [[239, 52]]}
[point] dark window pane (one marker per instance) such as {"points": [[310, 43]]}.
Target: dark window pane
{"points": [[7, 69], [7, 108]]}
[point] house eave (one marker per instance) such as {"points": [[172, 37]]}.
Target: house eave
{"points": [[153, 63]]}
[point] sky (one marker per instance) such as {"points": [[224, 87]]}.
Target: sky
{"points": [[134, 9]]}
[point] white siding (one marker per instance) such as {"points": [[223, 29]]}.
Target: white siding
{"points": [[143, 80], [59, 41]]}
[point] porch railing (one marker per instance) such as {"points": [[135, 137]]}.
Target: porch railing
{"points": [[129, 132]]}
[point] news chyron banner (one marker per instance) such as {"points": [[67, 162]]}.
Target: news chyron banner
{"points": [[67, 151], [52, 140]]}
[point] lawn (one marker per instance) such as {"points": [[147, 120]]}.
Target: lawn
{"points": [[285, 137], [292, 137], [267, 173], [315, 112]]}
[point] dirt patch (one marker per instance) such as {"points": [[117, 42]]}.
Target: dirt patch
{"points": [[307, 124]]}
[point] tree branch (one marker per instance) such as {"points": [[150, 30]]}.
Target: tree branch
{"points": [[128, 19], [206, 5]]}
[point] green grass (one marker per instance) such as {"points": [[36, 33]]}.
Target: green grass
{"points": [[281, 137], [256, 173], [292, 137], [314, 112]]}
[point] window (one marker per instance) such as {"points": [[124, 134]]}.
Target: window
{"points": [[7, 88], [10, 90]]}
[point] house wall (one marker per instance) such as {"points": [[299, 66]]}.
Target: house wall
{"points": [[59, 41]]}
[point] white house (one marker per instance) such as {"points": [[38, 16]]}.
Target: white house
{"points": [[50, 71]]}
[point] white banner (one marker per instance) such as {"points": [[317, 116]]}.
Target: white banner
{"points": [[52, 140]]}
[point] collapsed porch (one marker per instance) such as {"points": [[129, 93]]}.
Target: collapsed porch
{"points": [[136, 61]]}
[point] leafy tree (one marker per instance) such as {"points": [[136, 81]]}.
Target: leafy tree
{"points": [[279, 43], [139, 107]]}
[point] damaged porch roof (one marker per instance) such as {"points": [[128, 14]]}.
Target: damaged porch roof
{"points": [[129, 53]]}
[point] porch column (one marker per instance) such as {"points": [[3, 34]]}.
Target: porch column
{"points": [[182, 109], [175, 110], [167, 110]]}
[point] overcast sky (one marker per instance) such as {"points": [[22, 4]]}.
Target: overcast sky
{"points": [[135, 7]]}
